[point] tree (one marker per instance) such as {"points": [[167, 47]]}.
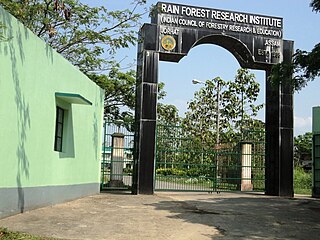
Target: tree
{"points": [[120, 93], [87, 36], [167, 114], [119, 99], [303, 147], [223, 108], [245, 90], [305, 66], [201, 117], [315, 4]]}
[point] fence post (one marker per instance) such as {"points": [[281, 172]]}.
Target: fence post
{"points": [[246, 162]]}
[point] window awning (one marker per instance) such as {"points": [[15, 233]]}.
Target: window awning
{"points": [[73, 98]]}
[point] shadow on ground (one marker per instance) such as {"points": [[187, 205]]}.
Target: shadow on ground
{"points": [[248, 216]]}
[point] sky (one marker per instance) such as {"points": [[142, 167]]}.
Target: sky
{"points": [[204, 62]]}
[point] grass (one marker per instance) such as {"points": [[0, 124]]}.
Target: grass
{"points": [[9, 235], [205, 183], [302, 181]]}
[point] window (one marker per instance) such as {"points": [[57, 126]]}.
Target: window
{"points": [[59, 129]]}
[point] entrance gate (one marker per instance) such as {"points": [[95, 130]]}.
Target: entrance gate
{"points": [[255, 41], [117, 156], [184, 165]]}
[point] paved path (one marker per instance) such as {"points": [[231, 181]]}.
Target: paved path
{"points": [[176, 216]]}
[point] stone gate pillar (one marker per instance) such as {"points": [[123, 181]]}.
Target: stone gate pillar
{"points": [[145, 115], [279, 133], [246, 162], [117, 160]]}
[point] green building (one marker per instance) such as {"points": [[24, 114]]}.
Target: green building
{"points": [[51, 123]]}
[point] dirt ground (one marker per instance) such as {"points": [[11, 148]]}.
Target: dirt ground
{"points": [[198, 216]]}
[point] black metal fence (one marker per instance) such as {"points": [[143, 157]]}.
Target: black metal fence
{"points": [[316, 165]]}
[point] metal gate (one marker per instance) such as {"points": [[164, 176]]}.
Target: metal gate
{"points": [[117, 156], [183, 165]]}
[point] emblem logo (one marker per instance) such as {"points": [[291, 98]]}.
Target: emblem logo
{"points": [[168, 43]]}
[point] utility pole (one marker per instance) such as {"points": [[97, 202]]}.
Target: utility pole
{"points": [[218, 112], [216, 184]]}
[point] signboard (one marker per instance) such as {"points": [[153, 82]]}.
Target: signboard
{"points": [[262, 35]]}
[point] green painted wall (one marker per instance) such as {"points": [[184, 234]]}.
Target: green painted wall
{"points": [[30, 75]]}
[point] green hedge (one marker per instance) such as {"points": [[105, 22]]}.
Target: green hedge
{"points": [[192, 172]]}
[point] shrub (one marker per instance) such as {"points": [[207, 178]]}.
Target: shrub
{"points": [[127, 170], [202, 171], [302, 181], [171, 172], [194, 172]]}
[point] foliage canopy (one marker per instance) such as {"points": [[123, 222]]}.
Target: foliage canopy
{"points": [[223, 108], [303, 147], [87, 36], [305, 66]]}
